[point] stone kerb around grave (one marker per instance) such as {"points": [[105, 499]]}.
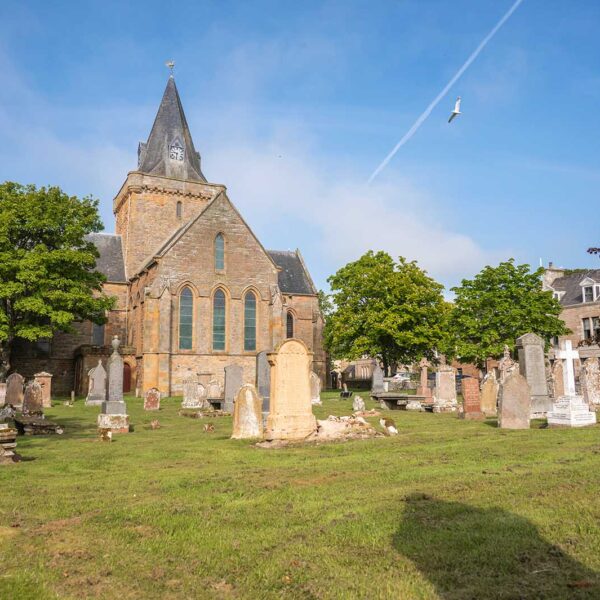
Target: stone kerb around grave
{"points": [[290, 416]]}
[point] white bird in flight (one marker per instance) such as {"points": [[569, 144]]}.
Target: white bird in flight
{"points": [[456, 110]]}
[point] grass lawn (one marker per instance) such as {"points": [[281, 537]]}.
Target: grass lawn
{"points": [[447, 509]]}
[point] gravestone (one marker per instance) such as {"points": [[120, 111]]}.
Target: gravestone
{"points": [[489, 394], [558, 379], [471, 399], [214, 391], [445, 389], [32, 400], [45, 381], [192, 397], [377, 380], [315, 388], [97, 385], [263, 380], [2, 394], [152, 399], [290, 416], [532, 366], [233, 382], [423, 389], [515, 402], [570, 410], [590, 376], [113, 414], [506, 365], [247, 414], [358, 404], [14, 390]]}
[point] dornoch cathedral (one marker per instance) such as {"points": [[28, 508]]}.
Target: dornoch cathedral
{"points": [[195, 289]]}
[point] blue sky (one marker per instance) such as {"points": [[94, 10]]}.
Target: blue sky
{"points": [[293, 105]]}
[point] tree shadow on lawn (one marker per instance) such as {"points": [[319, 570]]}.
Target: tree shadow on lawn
{"points": [[475, 553]]}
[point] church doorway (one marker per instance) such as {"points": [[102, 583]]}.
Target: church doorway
{"points": [[126, 378]]}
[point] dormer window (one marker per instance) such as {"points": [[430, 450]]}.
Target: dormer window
{"points": [[588, 293], [590, 290]]}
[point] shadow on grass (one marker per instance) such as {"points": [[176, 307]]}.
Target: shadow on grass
{"points": [[473, 553]]}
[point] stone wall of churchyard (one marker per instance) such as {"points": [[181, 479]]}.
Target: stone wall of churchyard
{"points": [[146, 212], [573, 316]]}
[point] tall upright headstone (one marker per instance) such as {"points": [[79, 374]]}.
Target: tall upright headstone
{"points": [[471, 399], [33, 400], [290, 415], [515, 402], [247, 414], [263, 380], [315, 388], [590, 381], [113, 414], [14, 390], [532, 366], [233, 382], [45, 381], [445, 389], [489, 394], [194, 394], [570, 410], [377, 380], [97, 385], [558, 379], [423, 388], [2, 394]]}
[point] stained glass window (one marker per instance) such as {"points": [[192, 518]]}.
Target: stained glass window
{"points": [[250, 322], [186, 319], [219, 320], [290, 325]]}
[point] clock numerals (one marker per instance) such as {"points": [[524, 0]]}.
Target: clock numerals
{"points": [[175, 152]]}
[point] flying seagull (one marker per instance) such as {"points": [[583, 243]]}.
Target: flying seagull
{"points": [[456, 110]]}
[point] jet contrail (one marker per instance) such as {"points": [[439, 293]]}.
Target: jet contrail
{"points": [[437, 99]]}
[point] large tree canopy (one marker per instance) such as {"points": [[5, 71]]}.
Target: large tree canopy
{"points": [[499, 305], [392, 311], [47, 268]]}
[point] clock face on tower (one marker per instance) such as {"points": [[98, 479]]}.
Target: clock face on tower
{"points": [[175, 152]]}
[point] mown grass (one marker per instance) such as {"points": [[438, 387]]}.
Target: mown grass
{"points": [[447, 509]]}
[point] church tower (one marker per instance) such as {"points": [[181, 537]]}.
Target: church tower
{"points": [[166, 191]]}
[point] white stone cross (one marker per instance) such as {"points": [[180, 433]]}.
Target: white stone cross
{"points": [[567, 355]]}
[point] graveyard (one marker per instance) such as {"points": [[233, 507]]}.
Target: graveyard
{"points": [[449, 508]]}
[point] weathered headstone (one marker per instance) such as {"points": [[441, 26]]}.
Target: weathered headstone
{"points": [[247, 414], [315, 388], [263, 380], [471, 399], [233, 382], [152, 399], [2, 394], [515, 402], [445, 389], [192, 393], [45, 381], [377, 380], [532, 366], [590, 376], [113, 414], [423, 389], [32, 401], [489, 394], [97, 385], [290, 416], [214, 390], [558, 379], [14, 390], [358, 404], [506, 365], [570, 410]]}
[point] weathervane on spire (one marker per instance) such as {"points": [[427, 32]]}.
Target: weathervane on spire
{"points": [[171, 65]]}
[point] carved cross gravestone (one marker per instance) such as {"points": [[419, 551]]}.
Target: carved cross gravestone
{"points": [[423, 389]]}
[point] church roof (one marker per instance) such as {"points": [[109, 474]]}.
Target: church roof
{"points": [[169, 151], [570, 285], [110, 262], [293, 277]]}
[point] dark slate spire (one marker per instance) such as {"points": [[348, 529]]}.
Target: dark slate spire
{"points": [[169, 151]]}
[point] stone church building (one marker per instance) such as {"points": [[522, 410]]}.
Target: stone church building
{"points": [[195, 289]]}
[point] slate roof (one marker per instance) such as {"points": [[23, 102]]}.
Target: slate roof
{"points": [[170, 128], [293, 278], [570, 285], [110, 263]]}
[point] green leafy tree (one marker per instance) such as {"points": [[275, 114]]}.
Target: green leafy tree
{"points": [[325, 304], [499, 305], [47, 268], [388, 310]]}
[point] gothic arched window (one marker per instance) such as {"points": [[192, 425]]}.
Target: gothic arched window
{"points": [[250, 322], [219, 304], [289, 326], [186, 319], [178, 209], [220, 252]]}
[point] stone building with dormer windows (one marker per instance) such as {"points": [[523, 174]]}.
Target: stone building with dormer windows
{"points": [[196, 290]]}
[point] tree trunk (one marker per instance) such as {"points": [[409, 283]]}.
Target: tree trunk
{"points": [[386, 365], [5, 358]]}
